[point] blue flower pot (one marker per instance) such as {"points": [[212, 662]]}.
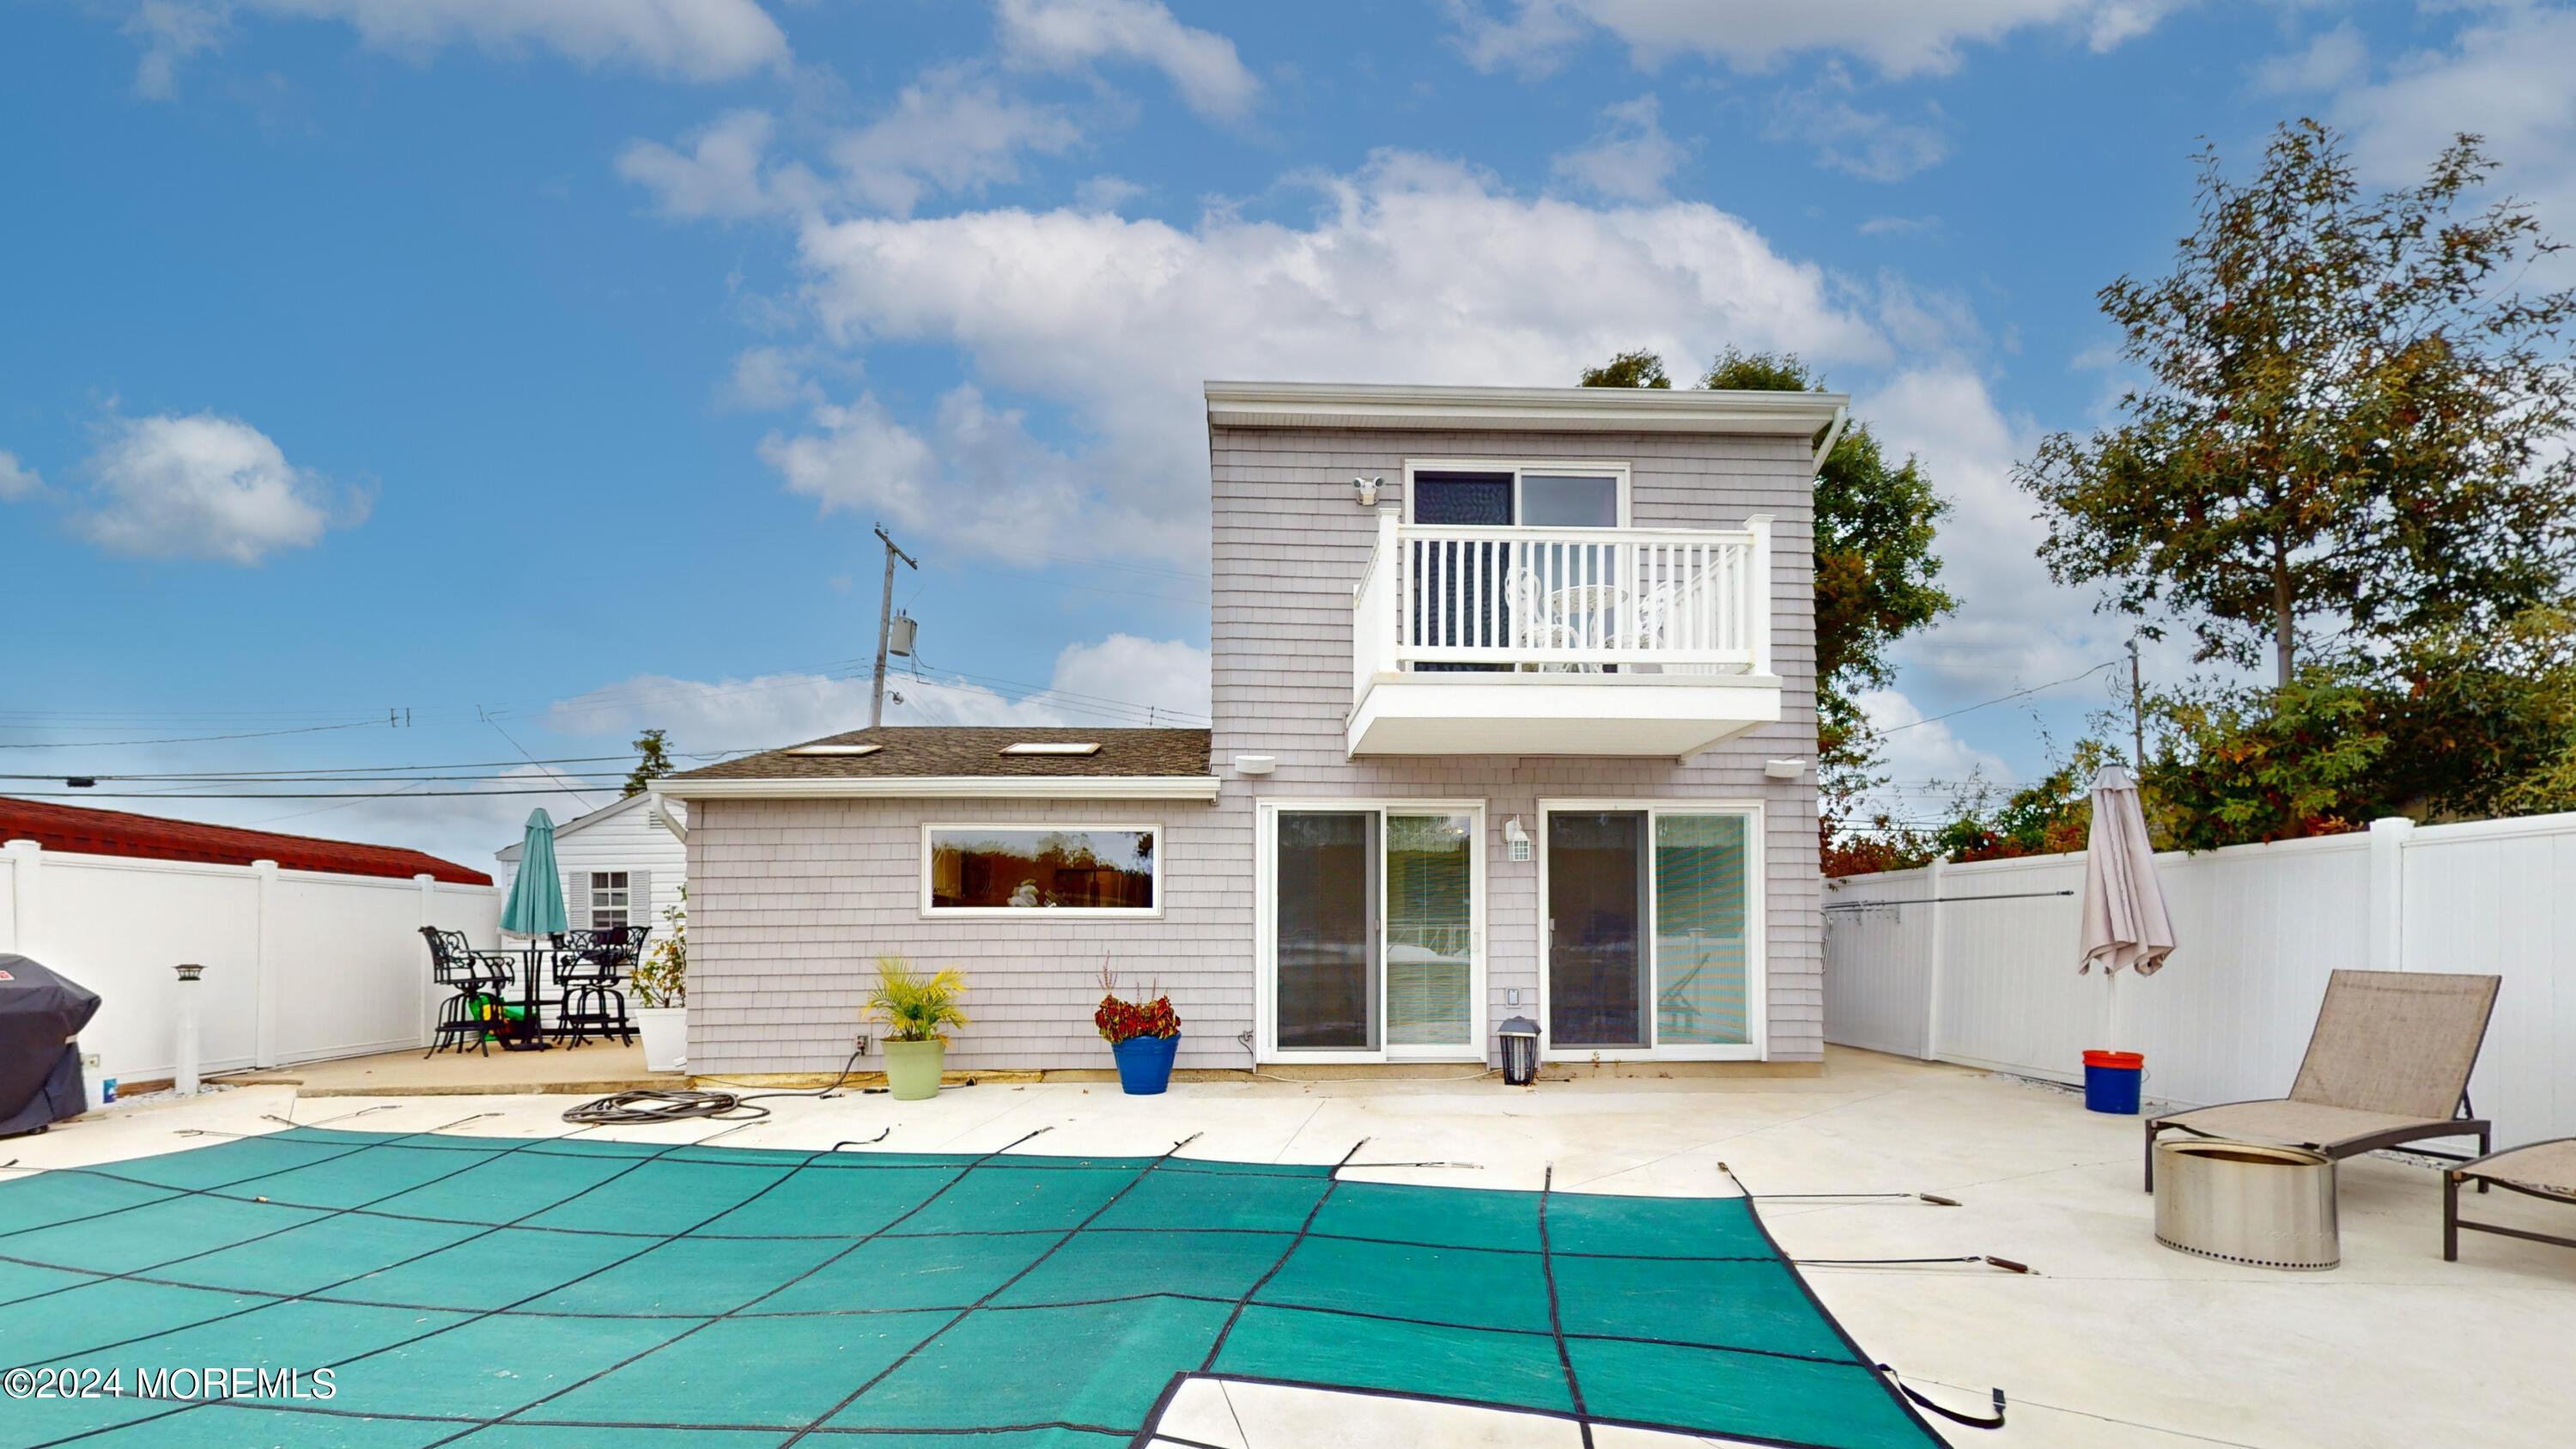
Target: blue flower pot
{"points": [[1145, 1064]]}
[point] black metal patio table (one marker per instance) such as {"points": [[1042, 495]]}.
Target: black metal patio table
{"points": [[528, 1033]]}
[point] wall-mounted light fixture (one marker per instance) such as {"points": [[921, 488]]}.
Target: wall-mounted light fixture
{"points": [[1367, 488], [1783, 769], [1255, 764], [1516, 841]]}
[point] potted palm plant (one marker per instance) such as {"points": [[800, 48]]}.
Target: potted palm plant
{"points": [[1144, 1036], [662, 994], [914, 1006]]}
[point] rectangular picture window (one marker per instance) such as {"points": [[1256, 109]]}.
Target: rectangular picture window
{"points": [[1015, 868]]}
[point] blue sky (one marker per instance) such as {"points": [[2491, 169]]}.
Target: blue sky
{"points": [[539, 368]]}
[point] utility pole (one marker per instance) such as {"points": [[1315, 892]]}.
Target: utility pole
{"points": [[2137, 716], [885, 623]]}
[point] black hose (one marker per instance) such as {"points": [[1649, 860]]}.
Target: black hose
{"points": [[646, 1106]]}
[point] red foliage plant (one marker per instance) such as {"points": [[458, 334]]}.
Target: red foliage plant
{"points": [[1126, 1020]]}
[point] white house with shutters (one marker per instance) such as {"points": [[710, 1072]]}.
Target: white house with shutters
{"points": [[622, 865], [1514, 716]]}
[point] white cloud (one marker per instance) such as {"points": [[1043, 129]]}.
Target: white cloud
{"points": [[1921, 750], [2015, 627], [978, 479], [1629, 158], [1414, 270], [719, 176], [169, 32], [1112, 682], [698, 40], [2333, 59], [768, 378], [16, 480], [949, 132], [1871, 145], [1896, 37], [1069, 35], [204, 487], [1167, 674]]}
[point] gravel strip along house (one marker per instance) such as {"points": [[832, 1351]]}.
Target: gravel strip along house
{"points": [[1513, 716]]}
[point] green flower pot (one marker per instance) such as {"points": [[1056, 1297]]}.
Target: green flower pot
{"points": [[912, 1069]]}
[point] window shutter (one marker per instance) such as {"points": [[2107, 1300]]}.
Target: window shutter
{"points": [[639, 899], [577, 900]]}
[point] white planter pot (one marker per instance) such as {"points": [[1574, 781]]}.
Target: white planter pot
{"points": [[665, 1030]]}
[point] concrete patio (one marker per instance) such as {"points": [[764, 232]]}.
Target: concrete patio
{"points": [[2112, 1341]]}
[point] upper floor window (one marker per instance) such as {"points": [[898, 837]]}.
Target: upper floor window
{"points": [[1508, 494]]}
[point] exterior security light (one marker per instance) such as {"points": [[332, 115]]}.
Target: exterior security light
{"points": [[1783, 769], [1516, 839], [1255, 764], [1368, 490]]}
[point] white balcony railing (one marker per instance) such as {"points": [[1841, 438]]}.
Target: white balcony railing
{"points": [[1644, 601]]}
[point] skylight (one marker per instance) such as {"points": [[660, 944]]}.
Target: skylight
{"points": [[1053, 747], [835, 750]]}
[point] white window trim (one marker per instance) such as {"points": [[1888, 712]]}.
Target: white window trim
{"points": [[1757, 943], [1265, 919], [599, 889], [1520, 468], [1041, 913]]}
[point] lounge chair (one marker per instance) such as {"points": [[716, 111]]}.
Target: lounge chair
{"points": [[2388, 1063], [2542, 1170]]}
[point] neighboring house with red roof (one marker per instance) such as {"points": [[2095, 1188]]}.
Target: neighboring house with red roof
{"points": [[150, 837]]}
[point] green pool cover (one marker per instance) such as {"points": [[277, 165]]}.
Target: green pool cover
{"points": [[322, 1288]]}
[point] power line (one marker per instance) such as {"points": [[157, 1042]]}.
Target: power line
{"points": [[1999, 699], [190, 739]]}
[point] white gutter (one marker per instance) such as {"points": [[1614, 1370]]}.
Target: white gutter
{"points": [[951, 787], [1833, 435], [1553, 409]]}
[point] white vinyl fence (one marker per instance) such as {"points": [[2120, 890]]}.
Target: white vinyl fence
{"points": [[300, 965], [1976, 963]]}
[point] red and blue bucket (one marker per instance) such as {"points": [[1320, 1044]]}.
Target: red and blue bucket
{"points": [[2111, 1082]]}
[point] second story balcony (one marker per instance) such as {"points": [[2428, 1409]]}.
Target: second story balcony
{"points": [[1575, 641]]}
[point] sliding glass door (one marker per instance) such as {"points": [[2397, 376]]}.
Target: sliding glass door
{"points": [[1651, 929], [1373, 931]]}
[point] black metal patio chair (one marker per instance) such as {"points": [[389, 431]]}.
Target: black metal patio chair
{"points": [[590, 971], [469, 1016]]}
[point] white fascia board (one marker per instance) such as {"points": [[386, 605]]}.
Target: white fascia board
{"points": [[1549, 409], [953, 787]]}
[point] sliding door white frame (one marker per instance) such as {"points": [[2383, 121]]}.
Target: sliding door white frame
{"points": [[1757, 1011], [1265, 931]]}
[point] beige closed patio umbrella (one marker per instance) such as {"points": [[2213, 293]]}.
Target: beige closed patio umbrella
{"points": [[2125, 925]]}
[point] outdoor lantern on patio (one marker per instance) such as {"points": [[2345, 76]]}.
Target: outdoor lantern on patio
{"points": [[1520, 1051]]}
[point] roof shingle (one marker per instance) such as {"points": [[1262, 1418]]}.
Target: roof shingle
{"points": [[961, 751]]}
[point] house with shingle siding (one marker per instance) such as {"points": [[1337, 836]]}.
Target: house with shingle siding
{"points": [[1514, 715]]}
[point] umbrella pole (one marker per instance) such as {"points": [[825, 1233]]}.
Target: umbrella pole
{"points": [[2110, 1022]]}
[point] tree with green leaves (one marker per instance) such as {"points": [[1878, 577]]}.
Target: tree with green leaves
{"points": [[653, 761], [2348, 429], [1876, 573]]}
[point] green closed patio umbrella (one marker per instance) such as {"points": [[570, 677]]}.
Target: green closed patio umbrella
{"points": [[535, 908]]}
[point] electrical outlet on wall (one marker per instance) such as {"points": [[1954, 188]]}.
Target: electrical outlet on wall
{"points": [[90, 1061], [864, 1043]]}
